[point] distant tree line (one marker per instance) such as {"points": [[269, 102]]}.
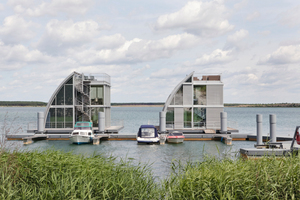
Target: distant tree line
{"points": [[22, 103], [263, 105], [39, 103], [138, 104]]}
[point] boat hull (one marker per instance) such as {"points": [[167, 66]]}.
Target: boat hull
{"points": [[175, 140], [77, 139], [147, 140]]}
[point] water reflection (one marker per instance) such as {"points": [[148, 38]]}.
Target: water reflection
{"points": [[160, 157]]}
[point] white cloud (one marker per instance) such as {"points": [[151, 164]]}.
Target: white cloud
{"points": [[138, 50], [264, 33], [17, 56], [290, 17], [53, 7], [1, 7], [218, 56], [283, 55], [110, 42], [253, 16], [235, 40], [15, 29], [241, 4], [64, 34], [201, 18]]}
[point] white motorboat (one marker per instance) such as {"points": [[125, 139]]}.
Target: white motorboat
{"points": [[82, 133], [175, 137], [147, 135]]}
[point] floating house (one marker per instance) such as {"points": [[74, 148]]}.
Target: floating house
{"points": [[195, 103], [78, 98]]}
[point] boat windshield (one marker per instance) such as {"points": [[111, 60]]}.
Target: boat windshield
{"points": [[148, 132], [75, 133], [82, 124], [176, 134], [82, 128]]}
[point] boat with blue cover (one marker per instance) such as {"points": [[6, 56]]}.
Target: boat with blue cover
{"points": [[147, 134], [82, 133]]}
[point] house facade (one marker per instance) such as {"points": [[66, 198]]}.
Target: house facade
{"points": [[195, 103], [79, 97]]}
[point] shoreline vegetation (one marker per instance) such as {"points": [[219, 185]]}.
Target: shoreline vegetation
{"points": [[146, 104], [53, 174]]}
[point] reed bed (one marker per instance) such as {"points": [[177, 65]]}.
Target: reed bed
{"points": [[57, 175], [54, 174], [265, 178]]}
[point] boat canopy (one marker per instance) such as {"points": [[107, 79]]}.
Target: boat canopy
{"points": [[83, 126], [147, 131]]}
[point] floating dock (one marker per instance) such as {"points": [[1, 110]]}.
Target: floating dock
{"points": [[225, 138]]}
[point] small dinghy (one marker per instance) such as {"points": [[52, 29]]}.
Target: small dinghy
{"points": [[82, 133], [147, 135], [175, 137]]}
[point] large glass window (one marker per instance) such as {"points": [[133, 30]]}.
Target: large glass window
{"points": [[60, 96], [199, 117], [60, 122], [187, 117], [97, 95], [69, 94], [50, 122], [170, 118], [94, 113], [179, 96], [69, 118], [199, 94]]}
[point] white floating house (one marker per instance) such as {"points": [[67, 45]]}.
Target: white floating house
{"points": [[78, 98], [195, 103]]}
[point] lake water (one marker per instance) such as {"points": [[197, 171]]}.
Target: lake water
{"points": [[159, 156]]}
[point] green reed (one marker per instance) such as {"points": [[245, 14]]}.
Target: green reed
{"points": [[57, 175], [266, 178], [54, 174]]}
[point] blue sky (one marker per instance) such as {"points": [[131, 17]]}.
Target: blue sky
{"points": [[148, 47]]}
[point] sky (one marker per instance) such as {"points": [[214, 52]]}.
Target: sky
{"points": [[148, 47]]}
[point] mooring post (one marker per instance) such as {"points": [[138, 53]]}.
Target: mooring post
{"points": [[40, 122], [223, 116], [162, 122], [259, 139], [101, 122], [273, 128]]}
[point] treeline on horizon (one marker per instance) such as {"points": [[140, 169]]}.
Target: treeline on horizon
{"points": [[22, 103], [42, 104]]}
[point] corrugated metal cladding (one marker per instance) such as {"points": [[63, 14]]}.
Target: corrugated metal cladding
{"points": [[178, 118], [213, 118], [187, 94], [214, 94]]}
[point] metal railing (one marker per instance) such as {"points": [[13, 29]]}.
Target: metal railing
{"points": [[99, 77], [59, 125], [207, 77]]}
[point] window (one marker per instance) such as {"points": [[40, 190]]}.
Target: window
{"points": [[148, 132], [94, 113], [200, 95], [97, 95], [199, 117], [187, 117]]}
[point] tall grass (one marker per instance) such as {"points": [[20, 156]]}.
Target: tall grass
{"points": [[56, 175], [266, 178]]}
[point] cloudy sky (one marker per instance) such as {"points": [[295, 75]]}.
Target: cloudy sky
{"points": [[147, 47]]}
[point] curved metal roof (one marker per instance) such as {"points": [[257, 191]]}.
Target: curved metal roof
{"points": [[175, 91]]}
